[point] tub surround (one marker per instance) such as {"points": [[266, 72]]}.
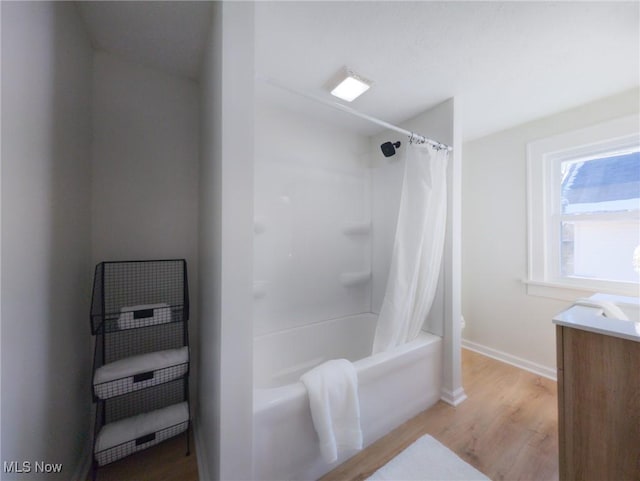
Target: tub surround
{"points": [[393, 387], [325, 216]]}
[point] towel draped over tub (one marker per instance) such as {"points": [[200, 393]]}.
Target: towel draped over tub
{"points": [[335, 407]]}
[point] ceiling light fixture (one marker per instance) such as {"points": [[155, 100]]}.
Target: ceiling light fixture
{"points": [[351, 86]]}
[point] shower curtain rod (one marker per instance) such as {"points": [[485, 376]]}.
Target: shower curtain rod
{"points": [[413, 137]]}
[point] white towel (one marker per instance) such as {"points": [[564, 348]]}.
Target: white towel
{"points": [[609, 309], [129, 429], [117, 377], [335, 407], [160, 313]]}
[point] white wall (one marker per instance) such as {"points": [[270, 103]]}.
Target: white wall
{"points": [[312, 185], [46, 270], [502, 319], [145, 163], [209, 244], [386, 186], [224, 425]]}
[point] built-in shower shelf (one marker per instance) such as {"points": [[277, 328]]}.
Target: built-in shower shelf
{"points": [[356, 228], [349, 279], [259, 289]]}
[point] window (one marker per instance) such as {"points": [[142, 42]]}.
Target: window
{"points": [[584, 209]]}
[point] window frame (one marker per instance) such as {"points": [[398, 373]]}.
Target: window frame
{"points": [[544, 208]]}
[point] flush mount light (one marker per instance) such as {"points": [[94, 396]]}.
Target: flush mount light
{"points": [[351, 86]]}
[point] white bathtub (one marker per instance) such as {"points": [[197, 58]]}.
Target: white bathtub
{"points": [[393, 387]]}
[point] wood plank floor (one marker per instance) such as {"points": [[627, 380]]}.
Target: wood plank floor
{"points": [[507, 428], [164, 462]]}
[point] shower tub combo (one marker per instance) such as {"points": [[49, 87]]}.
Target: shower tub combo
{"points": [[393, 387]]}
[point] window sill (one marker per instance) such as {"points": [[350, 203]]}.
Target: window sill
{"points": [[570, 292]]}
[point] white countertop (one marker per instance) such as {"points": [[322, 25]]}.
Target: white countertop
{"points": [[589, 319]]}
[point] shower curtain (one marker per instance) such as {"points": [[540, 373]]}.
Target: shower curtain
{"points": [[417, 249]]}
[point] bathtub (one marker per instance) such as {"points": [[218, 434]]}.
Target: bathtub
{"points": [[393, 387]]}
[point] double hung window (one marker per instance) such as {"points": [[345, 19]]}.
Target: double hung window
{"points": [[584, 209]]}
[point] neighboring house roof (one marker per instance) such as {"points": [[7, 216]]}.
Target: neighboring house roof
{"points": [[614, 180]]}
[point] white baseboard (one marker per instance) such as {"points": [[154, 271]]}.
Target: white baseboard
{"points": [[453, 397], [516, 361], [201, 456]]}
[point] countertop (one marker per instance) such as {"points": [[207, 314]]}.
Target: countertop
{"points": [[589, 319]]}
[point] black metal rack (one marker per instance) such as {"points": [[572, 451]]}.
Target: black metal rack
{"points": [[139, 314]]}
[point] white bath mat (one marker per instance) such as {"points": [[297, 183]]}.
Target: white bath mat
{"points": [[427, 460]]}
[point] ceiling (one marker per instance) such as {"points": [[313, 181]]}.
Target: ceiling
{"points": [[506, 62]]}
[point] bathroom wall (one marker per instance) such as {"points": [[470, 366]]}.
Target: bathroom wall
{"points": [[209, 245], [312, 231], [144, 163], [46, 258], [502, 319], [145, 126], [225, 411]]}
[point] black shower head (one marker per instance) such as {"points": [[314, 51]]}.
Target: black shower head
{"points": [[389, 149]]}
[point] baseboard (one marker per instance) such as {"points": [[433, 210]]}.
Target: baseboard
{"points": [[203, 470], [516, 361], [453, 398]]}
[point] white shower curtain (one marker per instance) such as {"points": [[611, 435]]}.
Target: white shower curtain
{"points": [[417, 249]]}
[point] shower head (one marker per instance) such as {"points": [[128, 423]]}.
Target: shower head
{"points": [[389, 148]]}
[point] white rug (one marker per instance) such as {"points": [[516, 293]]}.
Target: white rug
{"points": [[427, 459]]}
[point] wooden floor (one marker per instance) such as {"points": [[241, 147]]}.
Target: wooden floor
{"points": [[507, 428], [164, 462]]}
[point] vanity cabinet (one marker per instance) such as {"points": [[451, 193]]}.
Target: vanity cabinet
{"points": [[598, 405]]}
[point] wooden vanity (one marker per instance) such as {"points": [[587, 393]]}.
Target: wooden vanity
{"points": [[598, 397]]}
